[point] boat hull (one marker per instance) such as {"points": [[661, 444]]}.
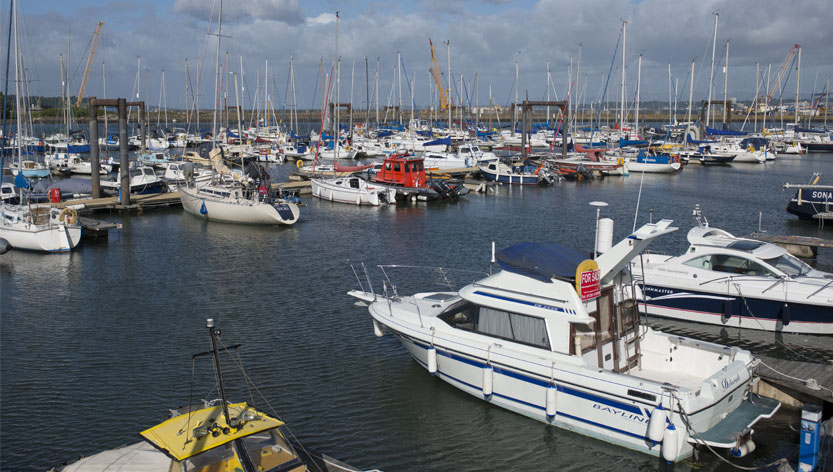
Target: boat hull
{"points": [[59, 238], [239, 212], [583, 409], [366, 195], [747, 311]]}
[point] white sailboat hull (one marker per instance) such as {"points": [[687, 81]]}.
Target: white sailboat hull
{"points": [[31, 237], [242, 211]]}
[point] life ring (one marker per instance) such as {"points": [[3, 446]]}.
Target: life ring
{"points": [[620, 161], [68, 216], [299, 163]]}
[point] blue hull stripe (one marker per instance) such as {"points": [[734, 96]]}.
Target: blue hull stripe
{"points": [[763, 309], [524, 302], [561, 388]]}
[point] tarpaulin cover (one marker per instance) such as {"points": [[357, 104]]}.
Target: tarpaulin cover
{"points": [[541, 261]]}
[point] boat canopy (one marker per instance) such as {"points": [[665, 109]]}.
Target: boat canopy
{"points": [[541, 261], [724, 132], [436, 142], [178, 437]]}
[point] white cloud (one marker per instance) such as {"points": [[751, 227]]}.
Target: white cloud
{"points": [[286, 11]]}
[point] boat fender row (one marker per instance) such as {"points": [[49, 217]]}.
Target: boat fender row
{"points": [[432, 360]]}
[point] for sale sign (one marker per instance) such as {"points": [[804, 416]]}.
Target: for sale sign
{"points": [[588, 280]]}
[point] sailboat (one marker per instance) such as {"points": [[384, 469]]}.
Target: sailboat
{"points": [[27, 227], [213, 436], [234, 198]]}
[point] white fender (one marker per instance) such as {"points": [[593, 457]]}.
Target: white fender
{"points": [[358, 199], [670, 447], [552, 395], [746, 448], [488, 374], [432, 360], [378, 330], [656, 425]]}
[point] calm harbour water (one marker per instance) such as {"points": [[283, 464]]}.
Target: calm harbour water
{"points": [[96, 344]]}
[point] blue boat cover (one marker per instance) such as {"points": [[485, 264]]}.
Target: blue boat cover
{"points": [[724, 132], [808, 130], [541, 261], [446, 141]]}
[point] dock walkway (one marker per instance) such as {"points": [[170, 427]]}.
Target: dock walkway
{"points": [[801, 246], [813, 381]]}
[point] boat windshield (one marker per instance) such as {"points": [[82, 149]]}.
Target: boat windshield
{"points": [[790, 265], [267, 450]]}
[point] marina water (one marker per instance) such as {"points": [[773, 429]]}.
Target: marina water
{"points": [[97, 343]]}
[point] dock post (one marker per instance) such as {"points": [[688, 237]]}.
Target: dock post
{"points": [[94, 162], [124, 163]]}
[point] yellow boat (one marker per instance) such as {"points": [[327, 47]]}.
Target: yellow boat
{"points": [[213, 437]]}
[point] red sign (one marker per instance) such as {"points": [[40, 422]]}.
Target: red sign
{"points": [[588, 280]]}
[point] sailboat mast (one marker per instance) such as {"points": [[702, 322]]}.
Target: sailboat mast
{"points": [[622, 101], [448, 94], [352, 77], [214, 334], [367, 94], [711, 75], [638, 89], [16, 85], [104, 92], [757, 93], [797, 83], [217, 85], [726, 83]]}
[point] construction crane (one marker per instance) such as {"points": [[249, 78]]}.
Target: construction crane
{"points": [[435, 71], [783, 71], [89, 63]]}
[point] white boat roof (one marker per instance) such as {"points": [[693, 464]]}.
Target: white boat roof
{"points": [[714, 237], [523, 294]]}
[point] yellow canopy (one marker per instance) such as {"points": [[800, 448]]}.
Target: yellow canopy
{"points": [[176, 436]]}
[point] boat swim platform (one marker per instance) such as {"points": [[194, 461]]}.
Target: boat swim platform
{"points": [[800, 246], [795, 382]]}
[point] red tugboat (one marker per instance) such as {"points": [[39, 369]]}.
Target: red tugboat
{"points": [[406, 174]]}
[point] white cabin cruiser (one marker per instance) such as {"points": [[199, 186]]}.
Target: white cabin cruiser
{"points": [[39, 228], [736, 282], [555, 336]]}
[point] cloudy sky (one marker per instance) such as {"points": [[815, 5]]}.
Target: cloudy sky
{"points": [[487, 38]]}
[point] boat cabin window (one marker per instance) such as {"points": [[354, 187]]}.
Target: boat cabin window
{"points": [[354, 183], [515, 327], [421, 168], [790, 265], [388, 166], [396, 167], [408, 168], [729, 264]]}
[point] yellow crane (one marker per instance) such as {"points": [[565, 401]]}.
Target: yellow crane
{"points": [[435, 71], [89, 63]]}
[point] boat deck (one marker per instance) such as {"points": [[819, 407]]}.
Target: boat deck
{"points": [[677, 378]]}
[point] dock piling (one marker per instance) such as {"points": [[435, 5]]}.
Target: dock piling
{"points": [[94, 158], [124, 163]]}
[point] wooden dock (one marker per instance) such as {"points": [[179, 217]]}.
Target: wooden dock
{"points": [[801, 246], [795, 382], [137, 202]]}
